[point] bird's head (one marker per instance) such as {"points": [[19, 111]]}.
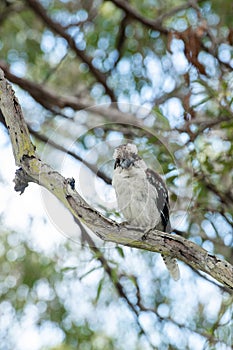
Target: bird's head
{"points": [[126, 155]]}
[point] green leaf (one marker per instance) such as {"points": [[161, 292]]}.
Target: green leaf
{"points": [[99, 289], [120, 251]]}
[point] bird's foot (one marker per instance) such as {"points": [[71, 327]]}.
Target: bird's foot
{"points": [[146, 232]]}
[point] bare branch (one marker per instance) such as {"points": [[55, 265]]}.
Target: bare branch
{"points": [[106, 229], [10, 108], [90, 166], [173, 11], [115, 281], [49, 99], [57, 28], [153, 24]]}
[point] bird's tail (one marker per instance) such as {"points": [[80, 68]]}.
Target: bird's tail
{"points": [[172, 266]]}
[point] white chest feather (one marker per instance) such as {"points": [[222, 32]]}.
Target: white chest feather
{"points": [[136, 197]]}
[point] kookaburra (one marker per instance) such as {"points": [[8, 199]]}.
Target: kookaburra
{"points": [[142, 196]]}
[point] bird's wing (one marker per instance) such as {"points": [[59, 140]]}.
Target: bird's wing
{"points": [[162, 200]]}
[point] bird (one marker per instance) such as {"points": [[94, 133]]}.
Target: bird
{"points": [[142, 196]]}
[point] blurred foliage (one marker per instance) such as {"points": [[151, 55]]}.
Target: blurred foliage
{"points": [[175, 78]]}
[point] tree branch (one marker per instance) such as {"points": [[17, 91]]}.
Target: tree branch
{"points": [[57, 28], [50, 99], [115, 281], [153, 24], [106, 229], [59, 147]]}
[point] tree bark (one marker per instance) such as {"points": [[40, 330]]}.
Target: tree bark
{"points": [[32, 169]]}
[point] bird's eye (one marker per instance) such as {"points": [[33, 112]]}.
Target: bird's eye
{"points": [[117, 163]]}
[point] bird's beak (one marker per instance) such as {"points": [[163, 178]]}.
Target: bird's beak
{"points": [[126, 163]]}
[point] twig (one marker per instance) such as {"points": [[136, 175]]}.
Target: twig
{"points": [[60, 30], [54, 144], [116, 282], [153, 24], [49, 99]]}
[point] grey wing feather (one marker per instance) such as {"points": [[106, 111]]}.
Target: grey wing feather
{"points": [[163, 206], [162, 200]]}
